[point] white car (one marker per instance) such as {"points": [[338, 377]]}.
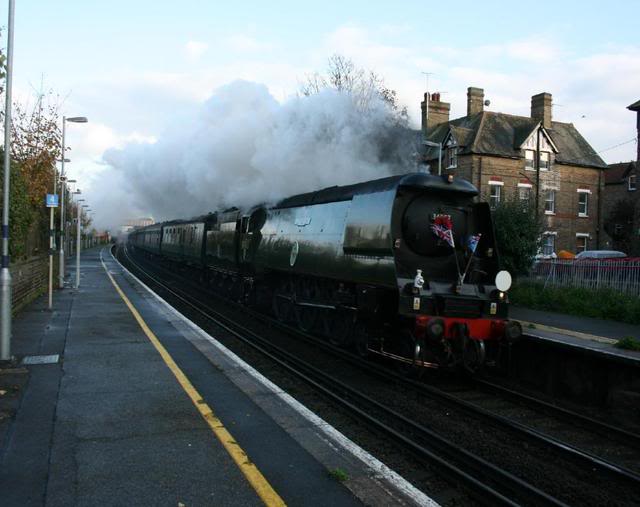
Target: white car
{"points": [[600, 254]]}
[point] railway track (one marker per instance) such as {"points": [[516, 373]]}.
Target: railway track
{"points": [[486, 481]]}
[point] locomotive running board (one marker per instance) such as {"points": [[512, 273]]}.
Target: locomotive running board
{"points": [[313, 305]]}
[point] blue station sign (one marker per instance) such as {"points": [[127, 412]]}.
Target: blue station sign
{"points": [[51, 201]]}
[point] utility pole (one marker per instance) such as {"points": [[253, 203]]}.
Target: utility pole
{"points": [[537, 161], [62, 188], [5, 274]]}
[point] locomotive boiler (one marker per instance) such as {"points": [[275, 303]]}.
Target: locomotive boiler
{"points": [[405, 267]]}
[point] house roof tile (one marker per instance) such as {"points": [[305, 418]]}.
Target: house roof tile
{"points": [[490, 133], [617, 173]]}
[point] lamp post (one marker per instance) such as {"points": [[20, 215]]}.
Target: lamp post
{"points": [[66, 225], [88, 239], [73, 119], [78, 215], [5, 274], [79, 245]]}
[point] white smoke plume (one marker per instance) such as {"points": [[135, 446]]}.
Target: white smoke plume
{"points": [[244, 148]]}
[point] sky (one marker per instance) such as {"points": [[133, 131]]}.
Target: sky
{"points": [[137, 69]]}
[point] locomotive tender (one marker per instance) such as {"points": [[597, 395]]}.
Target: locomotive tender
{"points": [[361, 264]]}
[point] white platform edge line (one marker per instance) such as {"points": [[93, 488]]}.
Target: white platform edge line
{"points": [[369, 461]]}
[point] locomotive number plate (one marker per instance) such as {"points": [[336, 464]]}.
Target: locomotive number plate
{"points": [[416, 303]]}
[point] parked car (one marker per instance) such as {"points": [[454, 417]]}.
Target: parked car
{"points": [[600, 254]]}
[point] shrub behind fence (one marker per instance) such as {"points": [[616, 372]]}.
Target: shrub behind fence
{"points": [[618, 274]]}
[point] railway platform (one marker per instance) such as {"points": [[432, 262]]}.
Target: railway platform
{"points": [[594, 336], [116, 399]]}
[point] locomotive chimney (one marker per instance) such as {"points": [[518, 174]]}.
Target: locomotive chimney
{"points": [[541, 109], [475, 100], [434, 112]]}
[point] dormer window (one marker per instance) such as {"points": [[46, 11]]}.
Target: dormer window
{"points": [[545, 161], [451, 160], [452, 157], [632, 182], [528, 160]]}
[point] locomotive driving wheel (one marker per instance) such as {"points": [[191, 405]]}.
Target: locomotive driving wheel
{"points": [[283, 305], [340, 326], [361, 338], [413, 350], [473, 355], [306, 316]]}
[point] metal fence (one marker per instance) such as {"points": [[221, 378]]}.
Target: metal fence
{"points": [[622, 275]]}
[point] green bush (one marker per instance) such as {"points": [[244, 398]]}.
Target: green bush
{"points": [[600, 304], [21, 212], [517, 234], [628, 343]]}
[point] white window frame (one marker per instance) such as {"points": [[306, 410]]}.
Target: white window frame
{"points": [[548, 160], [498, 197], [586, 237], [552, 211], [545, 235], [523, 186], [532, 159], [452, 157], [585, 192], [631, 187]]}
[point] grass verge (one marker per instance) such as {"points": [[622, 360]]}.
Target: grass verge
{"points": [[338, 474], [601, 304], [628, 343]]}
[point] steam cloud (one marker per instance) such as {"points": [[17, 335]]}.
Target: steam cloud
{"points": [[243, 148]]}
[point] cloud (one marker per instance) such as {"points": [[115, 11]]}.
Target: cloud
{"points": [[591, 90], [195, 49], [246, 44]]}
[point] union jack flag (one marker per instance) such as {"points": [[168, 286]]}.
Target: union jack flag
{"points": [[473, 241], [443, 228]]}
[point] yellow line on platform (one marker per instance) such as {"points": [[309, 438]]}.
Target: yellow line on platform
{"points": [[567, 332], [250, 471]]}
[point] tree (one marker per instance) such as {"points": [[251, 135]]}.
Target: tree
{"points": [[622, 225], [518, 230], [35, 147], [365, 86]]}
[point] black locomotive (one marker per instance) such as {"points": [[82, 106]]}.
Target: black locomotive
{"points": [[404, 266]]}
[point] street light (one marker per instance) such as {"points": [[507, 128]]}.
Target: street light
{"points": [[73, 119], [78, 210], [5, 274], [66, 225], [78, 247]]}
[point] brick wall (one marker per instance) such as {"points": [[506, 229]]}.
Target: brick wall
{"points": [[614, 193], [565, 179], [30, 279]]}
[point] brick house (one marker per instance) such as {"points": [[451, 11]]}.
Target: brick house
{"points": [[621, 202], [497, 153]]}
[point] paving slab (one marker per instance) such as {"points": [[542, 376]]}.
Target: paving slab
{"points": [[108, 424]]}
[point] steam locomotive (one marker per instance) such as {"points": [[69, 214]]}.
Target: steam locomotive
{"points": [[404, 267]]}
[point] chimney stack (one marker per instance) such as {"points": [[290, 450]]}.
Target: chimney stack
{"points": [[438, 111], [541, 109], [475, 100]]}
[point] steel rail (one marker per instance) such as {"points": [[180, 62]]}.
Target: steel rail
{"points": [[572, 452], [503, 483], [595, 425]]}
